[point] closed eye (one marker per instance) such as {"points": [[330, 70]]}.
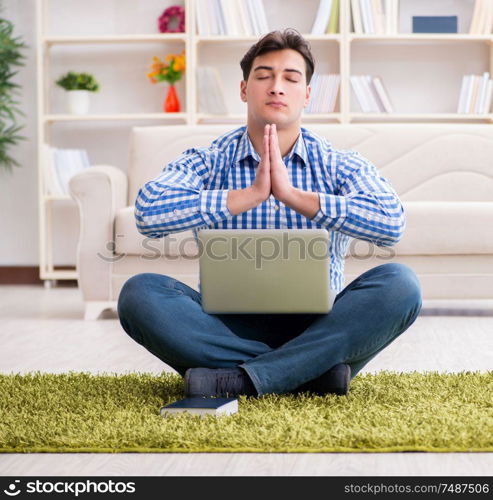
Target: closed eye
{"points": [[288, 79]]}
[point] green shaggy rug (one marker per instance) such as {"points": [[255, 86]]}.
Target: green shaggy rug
{"points": [[384, 412]]}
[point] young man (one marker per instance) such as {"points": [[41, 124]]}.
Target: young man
{"points": [[272, 174]]}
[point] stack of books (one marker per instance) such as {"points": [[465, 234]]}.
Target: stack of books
{"points": [[376, 17], [327, 18], [231, 17], [60, 165], [371, 95], [482, 18], [325, 89], [210, 91], [475, 94]]}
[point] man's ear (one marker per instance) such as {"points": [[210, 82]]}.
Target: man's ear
{"points": [[243, 86], [308, 94]]}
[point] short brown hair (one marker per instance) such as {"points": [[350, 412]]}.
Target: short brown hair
{"points": [[277, 40]]}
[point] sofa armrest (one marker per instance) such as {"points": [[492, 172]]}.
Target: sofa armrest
{"points": [[100, 191]]}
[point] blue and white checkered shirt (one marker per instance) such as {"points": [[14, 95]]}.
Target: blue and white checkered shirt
{"points": [[355, 201]]}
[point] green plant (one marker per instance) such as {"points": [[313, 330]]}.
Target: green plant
{"points": [[10, 56], [78, 81]]}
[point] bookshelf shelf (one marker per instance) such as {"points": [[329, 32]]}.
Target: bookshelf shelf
{"points": [[402, 59], [117, 117], [422, 37], [243, 117], [253, 39], [61, 40], [420, 117]]}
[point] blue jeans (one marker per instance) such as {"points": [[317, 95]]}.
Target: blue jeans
{"points": [[278, 351]]}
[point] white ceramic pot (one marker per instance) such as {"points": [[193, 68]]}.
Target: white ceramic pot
{"points": [[78, 101]]}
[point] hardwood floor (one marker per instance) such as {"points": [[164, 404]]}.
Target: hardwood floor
{"points": [[42, 329]]}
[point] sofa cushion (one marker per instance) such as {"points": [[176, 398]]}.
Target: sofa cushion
{"points": [[129, 241], [432, 228], [440, 228]]}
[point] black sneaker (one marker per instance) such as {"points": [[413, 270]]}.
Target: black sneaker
{"points": [[218, 382], [334, 381]]}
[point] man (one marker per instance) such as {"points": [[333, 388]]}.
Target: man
{"points": [[272, 174]]}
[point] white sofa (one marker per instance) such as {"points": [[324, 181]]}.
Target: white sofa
{"points": [[443, 173]]}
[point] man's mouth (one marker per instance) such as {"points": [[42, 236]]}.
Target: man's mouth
{"points": [[276, 104]]}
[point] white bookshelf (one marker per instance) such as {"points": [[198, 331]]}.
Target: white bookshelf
{"points": [[343, 50]]}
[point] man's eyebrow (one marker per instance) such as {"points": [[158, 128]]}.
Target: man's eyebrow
{"points": [[270, 68]]}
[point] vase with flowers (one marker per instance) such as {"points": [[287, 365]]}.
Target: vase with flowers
{"points": [[170, 71]]}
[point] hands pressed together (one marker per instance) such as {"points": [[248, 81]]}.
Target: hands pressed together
{"points": [[272, 175], [272, 178]]}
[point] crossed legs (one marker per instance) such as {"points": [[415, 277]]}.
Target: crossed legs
{"points": [[278, 351]]}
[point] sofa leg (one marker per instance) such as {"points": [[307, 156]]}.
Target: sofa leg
{"points": [[94, 308]]}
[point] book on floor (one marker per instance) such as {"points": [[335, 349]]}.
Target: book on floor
{"points": [[201, 406]]}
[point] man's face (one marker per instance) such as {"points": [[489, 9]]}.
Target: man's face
{"points": [[276, 76]]}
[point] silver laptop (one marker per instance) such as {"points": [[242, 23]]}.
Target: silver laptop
{"points": [[265, 270]]}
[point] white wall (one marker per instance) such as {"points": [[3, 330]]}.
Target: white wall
{"points": [[125, 88], [18, 192]]}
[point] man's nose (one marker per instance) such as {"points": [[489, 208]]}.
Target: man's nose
{"points": [[276, 90]]}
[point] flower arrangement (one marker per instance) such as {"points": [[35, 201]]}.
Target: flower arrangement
{"points": [[169, 71], [170, 14], [78, 81]]}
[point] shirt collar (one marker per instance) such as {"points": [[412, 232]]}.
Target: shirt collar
{"points": [[246, 149]]}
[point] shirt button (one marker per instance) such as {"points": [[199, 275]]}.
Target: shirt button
{"points": [[276, 207], [175, 211]]}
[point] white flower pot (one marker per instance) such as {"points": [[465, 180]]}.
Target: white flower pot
{"points": [[78, 101]]}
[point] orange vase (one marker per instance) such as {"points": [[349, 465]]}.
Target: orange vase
{"points": [[172, 103]]}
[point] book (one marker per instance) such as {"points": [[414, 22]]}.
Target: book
{"points": [[264, 25], [203, 27], [52, 185], [388, 17], [360, 98], [367, 17], [210, 91], [480, 101], [66, 162], [474, 93], [483, 20], [334, 18], [377, 15], [489, 92], [371, 94], [435, 24], [325, 88], [470, 85], [201, 406], [462, 95], [473, 28], [356, 17], [384, 98], [322, 17]]}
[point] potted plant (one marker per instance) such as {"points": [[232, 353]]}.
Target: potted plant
{"points": [[79, 87], [169, 71], [10, 56]]}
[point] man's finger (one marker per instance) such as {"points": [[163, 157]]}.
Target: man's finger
{"points": [[266, 145], [271, 142], [274, 145]]}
